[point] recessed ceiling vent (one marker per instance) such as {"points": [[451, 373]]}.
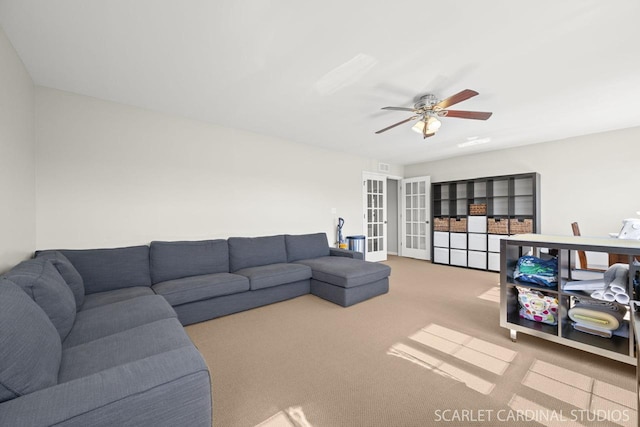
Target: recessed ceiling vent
{"points": [[384, 167]]}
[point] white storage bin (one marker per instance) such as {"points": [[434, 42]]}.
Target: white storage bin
{"points": [[458, 240], [477, 259], [441, 255], [494, 261], [477, 242], [494, 242], [441, 239], [458, 257], [477, 224]]}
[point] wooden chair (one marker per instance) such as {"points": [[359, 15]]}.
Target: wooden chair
{"points": [[582, 256]]}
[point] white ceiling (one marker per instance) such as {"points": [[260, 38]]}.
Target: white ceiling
{"points": [[319, 72]]}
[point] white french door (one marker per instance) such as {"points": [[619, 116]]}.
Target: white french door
{"points": [[415, 217], [375, 216]]}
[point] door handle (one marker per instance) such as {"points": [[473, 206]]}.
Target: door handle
{"points": [[426, 222]]}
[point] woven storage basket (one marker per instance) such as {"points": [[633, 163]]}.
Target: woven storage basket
{"points": [[477, 209], [458, 225], [441, 224], [497, 226], [520, 226]]}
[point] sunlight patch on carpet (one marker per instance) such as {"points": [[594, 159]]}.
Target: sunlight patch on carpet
{"points": [[603, 400], [492, 295], [538, 413], [483, 354], [440, 367], [562, 375], [290, 417]]}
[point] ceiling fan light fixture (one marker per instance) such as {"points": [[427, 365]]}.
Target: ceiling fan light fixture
{"points": [[432, 123], [418, 127]]}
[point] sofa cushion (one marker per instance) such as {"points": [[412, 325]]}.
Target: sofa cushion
{"points": [[256, 251], [30, 347], [346, 272], [42, 282], [109, 319], [197, 288], [175, 260], [68, 273], [305, 246], [108, 269], [123, 347], [109, 297], [267, 276]]}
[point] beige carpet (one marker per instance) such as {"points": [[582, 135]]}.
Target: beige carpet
{"points": [[430, 352]]}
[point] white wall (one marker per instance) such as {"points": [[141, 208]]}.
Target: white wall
{"points": [[111, 175], [392, 216], [591, 179], [17, 163]]}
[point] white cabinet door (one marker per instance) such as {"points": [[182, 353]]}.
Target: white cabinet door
{"points": [[458, 240], [478, 259], [477, 242], [458, 257], [441, 239], [494, 242], [494, 261], [441, 255], [477, 224]]}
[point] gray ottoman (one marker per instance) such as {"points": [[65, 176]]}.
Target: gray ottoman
{"points": [[347, 281]]}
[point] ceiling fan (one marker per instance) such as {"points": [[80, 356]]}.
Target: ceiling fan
{"points": [[428, 109]]}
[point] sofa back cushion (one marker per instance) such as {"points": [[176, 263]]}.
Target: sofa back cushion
{"points": [[175, 260], [247, 252], [40, 280], [30, 349], [68, 273], [305, 246], [108, 269]]}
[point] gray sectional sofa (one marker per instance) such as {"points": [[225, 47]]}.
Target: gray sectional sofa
{"points": [[96, 337]]}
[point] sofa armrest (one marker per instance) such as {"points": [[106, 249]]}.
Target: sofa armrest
{"points": [[346, 253], [168, 389]]}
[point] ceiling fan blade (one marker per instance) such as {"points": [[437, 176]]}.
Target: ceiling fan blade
{"points": [[397, 124], [454, 99], [399, 109], [477, 115]]}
